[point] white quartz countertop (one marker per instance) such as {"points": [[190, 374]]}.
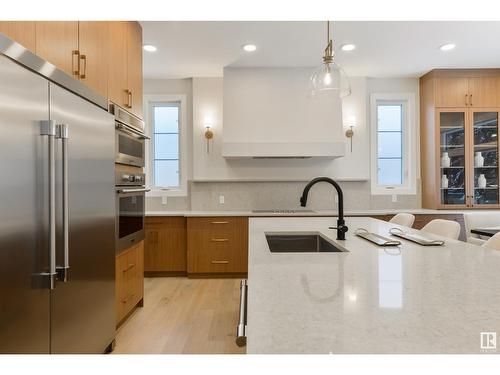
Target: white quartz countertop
{"points": [[408, 299], [189, 213]]}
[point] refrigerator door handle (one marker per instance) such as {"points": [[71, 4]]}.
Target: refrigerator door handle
{"points": [[63, 135], [48, 129]]}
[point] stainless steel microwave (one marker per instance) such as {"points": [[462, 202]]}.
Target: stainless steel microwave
{"points": [[129, 138]]}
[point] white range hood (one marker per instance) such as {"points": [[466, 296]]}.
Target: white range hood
{"points": [[268, 115], [280, 150]]}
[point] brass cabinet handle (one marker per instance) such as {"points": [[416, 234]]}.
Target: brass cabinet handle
{"points": [[219, 222], [127, 101], [470, 100], [128, 298], [76, 70], [219, 239], [83, 59], [130, 266], [219, 261], [131, 99]]}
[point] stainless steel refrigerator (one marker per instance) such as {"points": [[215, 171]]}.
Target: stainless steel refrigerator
{"points": [[57, 213]]}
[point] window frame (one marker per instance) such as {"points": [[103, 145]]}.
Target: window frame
{"points": [[149, 102], [409, 145]]}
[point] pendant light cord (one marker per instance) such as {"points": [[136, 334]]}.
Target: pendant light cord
{"points": [[327, 32]]}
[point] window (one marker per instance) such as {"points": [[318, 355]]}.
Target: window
{"points": [[393, 144], [166, 151], [166, 145], [390, 144]]}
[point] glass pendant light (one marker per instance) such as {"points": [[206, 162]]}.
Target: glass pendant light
{"points": [[329, 78]]}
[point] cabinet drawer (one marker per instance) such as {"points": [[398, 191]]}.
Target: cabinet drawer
{"points": [[219, 259], [216, 227], [217, 245]]}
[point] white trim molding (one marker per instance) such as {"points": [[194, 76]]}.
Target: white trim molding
{"points": [[182, 191], [409, 185]]}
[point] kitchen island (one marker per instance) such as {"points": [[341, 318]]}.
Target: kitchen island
{"points": [[369, 299]]}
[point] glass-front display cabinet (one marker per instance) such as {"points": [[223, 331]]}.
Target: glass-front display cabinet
{"points": [[468, 162], [484, 185]]}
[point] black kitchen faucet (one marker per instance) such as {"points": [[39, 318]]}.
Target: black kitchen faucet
{"points": [[341, 227]]}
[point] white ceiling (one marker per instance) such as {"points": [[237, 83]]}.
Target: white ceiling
{"points": [[384, 49]]}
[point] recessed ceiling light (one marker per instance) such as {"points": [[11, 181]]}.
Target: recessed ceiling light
{"points": [[348, 47], [249, 47], [447, 47], [149, 48]]}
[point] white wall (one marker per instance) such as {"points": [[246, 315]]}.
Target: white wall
{"points": [[208, 107], [205, 95]]}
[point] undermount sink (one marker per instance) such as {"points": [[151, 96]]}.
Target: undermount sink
{"points": [[301, 242]]}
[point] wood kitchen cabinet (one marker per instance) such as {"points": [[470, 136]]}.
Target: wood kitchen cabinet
{"points": [[165, 251], [57, 42], [125, 68], [106, 56], [217, 246], [459, 114], [484, 92], [478, 88], [117, 68], [129, 276], [93, 55], [78, 48], [134, 67], [22, 32]]}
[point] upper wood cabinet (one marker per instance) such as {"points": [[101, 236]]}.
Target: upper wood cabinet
{"points": [[78, 48], [461, 90], [106, 56], [22, 32], [451, 92], [93, 55], [117, 67], [125, 68], [57, 42], [484, 92], [134, 61]]}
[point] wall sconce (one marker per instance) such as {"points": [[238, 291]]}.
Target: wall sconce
{"points": [[349, 133], [209, 134]]}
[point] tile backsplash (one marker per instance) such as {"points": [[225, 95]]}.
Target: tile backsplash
{"points": [[205, 196]]}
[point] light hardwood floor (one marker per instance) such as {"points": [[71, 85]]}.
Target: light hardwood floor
{"points": [[181, 315]]}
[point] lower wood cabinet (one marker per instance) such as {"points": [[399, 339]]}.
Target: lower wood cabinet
{"points": [[217, 246], [129, 280], [165, 251]]}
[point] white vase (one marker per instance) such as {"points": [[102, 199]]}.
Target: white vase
{"points": [[445, 160], [481, 181], [444, 182], [478, 160]]}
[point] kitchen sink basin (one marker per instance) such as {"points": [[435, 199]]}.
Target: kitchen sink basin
{"points": [[303, 242]]}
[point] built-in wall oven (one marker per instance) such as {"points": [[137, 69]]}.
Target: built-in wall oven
{"points": [[129, 137], [130, 208]]}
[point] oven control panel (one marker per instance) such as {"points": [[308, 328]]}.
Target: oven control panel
{"points": [[126, 178]]}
